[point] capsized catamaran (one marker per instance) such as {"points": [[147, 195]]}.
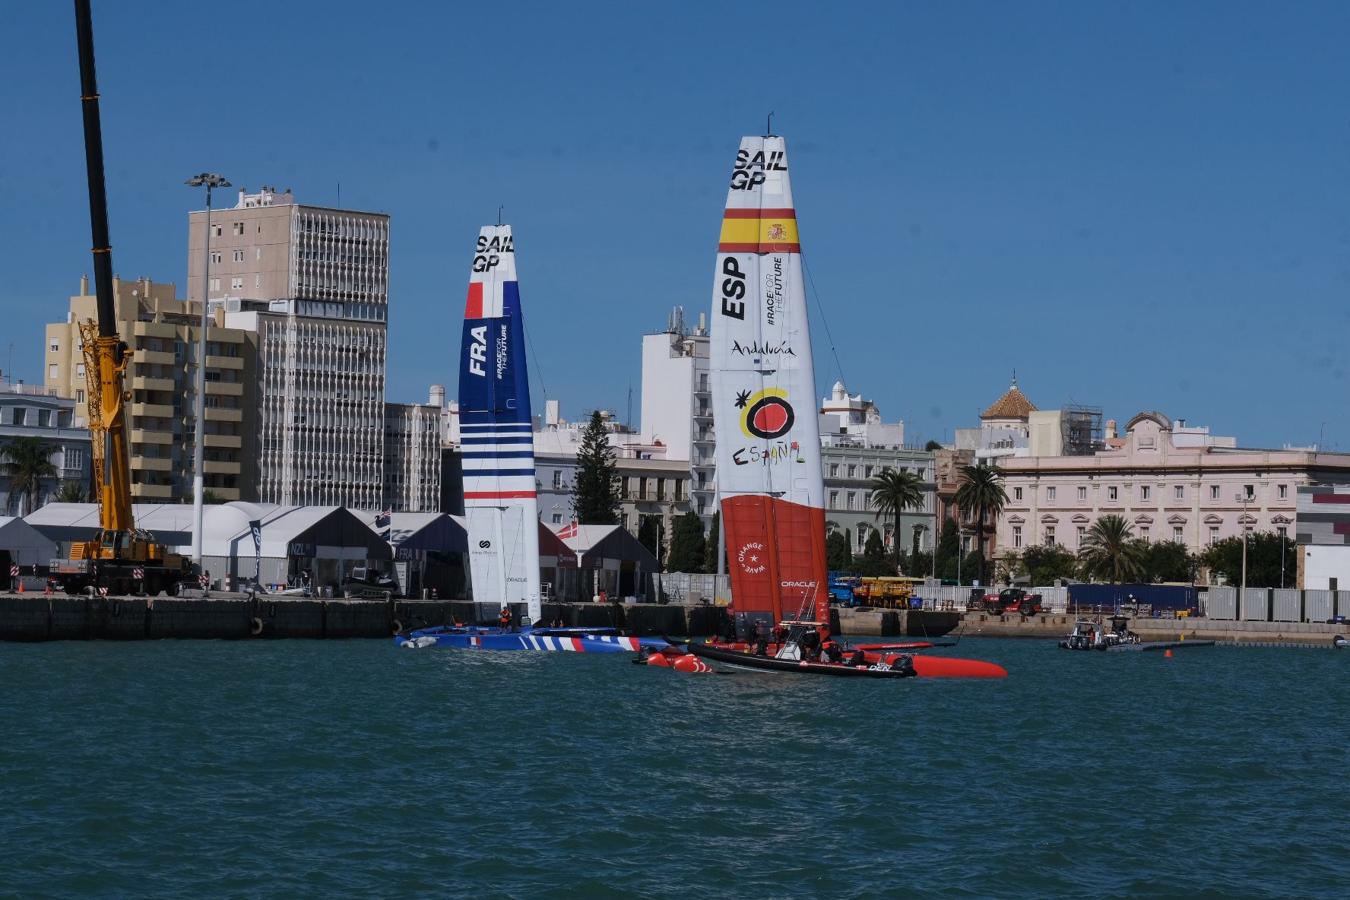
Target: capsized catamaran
{"points": [[501, 509], [768, 444]]}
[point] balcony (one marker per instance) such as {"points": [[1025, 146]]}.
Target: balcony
{"points": [[153, 329], [222, 414], [145, 383], [224, 493], [151, 464], [142, 436], [224, 362], [219, 467], [226, 441], [154, 356], [157, 410], [151, 491], [225, 388]]}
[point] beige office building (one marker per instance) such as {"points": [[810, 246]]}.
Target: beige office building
{"points": [[163, 331], [412, 455], [312, 284]]}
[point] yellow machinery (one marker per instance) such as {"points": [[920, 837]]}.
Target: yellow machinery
{"points": [[891, 592], [120, 557]]}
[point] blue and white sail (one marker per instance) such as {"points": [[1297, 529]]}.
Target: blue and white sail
{"points": [[497, 440]]}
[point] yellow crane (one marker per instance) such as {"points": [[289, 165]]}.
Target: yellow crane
{"points": [[119, 557]]}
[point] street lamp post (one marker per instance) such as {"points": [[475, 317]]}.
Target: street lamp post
{"points": [[207, 180]]}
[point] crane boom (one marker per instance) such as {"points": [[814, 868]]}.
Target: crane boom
{"points": [[109, 355]]}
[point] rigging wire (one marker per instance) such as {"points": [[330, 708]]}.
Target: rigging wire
{"points": [[820, 310], [535, 367]]}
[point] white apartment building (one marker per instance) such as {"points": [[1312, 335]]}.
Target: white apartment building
{"points": [[676, 407], [412, 455], [313, 283]]}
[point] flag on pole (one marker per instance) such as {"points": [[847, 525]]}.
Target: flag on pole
{"points": [[570, 530], [383, 522]]}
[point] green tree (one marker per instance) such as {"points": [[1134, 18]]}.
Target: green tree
{"points": [[710, 545], [1044, 564], [838, 553], [948, 550], [981, 494], [595, 490], [932, 445], [893, 492], [1263, 560], [1168, 561], [27, 463], [650, 534], [70, 492], [918, 564], [687, 544], [1109, 551], [873, 560]]}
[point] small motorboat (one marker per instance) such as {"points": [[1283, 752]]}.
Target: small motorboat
{"points": [[1340, 642], [1091, 635]]}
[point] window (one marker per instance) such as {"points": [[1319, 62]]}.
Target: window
{"points": [[834, 499], [852, 501], [216, 256], [238, 227], [1112, 493], [1213, 534], [852, 471], [53, 372], [1017, 493], [1050, 536], [236, 283], [834, 470], [79, 370], [557, 479], [21, 416], [74, 458], [1179, 492], [660, 489], [1144, 492], [1082, 533], [1249, 491], [1082, 494], [1050, 495], [1178, 534], [257, 281], [214, 284], [1282, 531], [239, 256], [79, 396], [54, 345], [1214, 492], [1143, 533], [862, 537], [258, 251], [557, 516], [1283, 491], [1017, 536], [217, 229], [679, 489], [867, 472], [642, 488]]}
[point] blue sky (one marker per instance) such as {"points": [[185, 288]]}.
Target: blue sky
{"points": [[1135, 205]]}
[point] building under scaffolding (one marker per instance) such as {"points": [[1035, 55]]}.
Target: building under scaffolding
{"points": [[1082, 430]]}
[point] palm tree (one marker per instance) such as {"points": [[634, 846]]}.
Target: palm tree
{"points": [[1108, 549], [981, 493], [28, 462], [70, 492], [893, 492]]}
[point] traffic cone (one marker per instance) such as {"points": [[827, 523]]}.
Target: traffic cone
{"points": [[20, 584]]}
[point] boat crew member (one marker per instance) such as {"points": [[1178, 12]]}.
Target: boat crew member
{"points": [[832, 652], [858, 659], [504, 619], [810, 643]]}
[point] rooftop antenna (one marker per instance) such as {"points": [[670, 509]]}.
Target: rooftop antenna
{"points": [[339, 199], [768, 126], [499, 216]]}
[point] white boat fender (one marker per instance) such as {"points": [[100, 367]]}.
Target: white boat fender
{"points": [[255, 626], [398, 626]]}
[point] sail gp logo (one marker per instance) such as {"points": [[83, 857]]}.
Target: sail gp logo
{"points": [[751, 558]]}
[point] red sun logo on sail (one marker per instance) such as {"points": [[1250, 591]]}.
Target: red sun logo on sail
{"points": [[765, 414]]}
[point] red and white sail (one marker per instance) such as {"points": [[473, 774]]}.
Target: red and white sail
{"points": [[764, 397]]}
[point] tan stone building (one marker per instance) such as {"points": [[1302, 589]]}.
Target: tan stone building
{"points": [[313, 284], [163, 331]]}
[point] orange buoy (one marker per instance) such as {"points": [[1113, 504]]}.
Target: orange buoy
{"points": [[690, 663], [1167, 654], [658, 659]]}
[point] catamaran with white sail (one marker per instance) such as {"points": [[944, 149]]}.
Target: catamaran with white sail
{"points": [[768, 444]]}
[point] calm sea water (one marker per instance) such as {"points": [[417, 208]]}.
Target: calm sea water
{"points": [[351, 767]]}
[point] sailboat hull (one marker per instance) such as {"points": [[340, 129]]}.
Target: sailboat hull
{"points": [[547, 640]]}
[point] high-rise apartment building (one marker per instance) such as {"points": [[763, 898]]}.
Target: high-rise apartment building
{"points": [[163, 333], [313, 284], [677, 404]]}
